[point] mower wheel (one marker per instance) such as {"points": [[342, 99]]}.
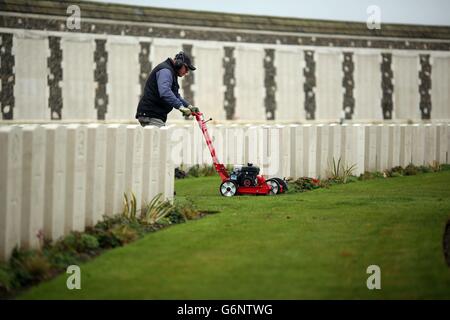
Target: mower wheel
{"points": [[275, 186], [228, 188], [282, 183]]}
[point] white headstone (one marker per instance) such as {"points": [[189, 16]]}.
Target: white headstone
{"points": [[382, 147], [76, 163], [310, 148], [359, 139], [394, 146], [370, 148], [135, 151], [418, 144], [10, 189], [322, 149], [405, 145], [430, 144], [115, 168], [96, 173], [292, 131], [166, 165], [33, 179], [55, 181], [442, 143], [151, 164]]}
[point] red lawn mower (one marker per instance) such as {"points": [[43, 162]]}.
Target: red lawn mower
{"points": [[243, 179]]}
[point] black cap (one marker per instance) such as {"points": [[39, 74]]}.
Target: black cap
{"points": [[185, 59]]}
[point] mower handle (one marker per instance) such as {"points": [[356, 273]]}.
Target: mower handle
{"points": [[220, 168], [199, 116]]}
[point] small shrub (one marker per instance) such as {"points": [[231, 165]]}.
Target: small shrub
{"points": [[107, 239], [194, 171], [435, 166], [176, 216], [60, 259], [129, 207], [411, 170], [424, 169], [6, 280], [371, 175], [187, 210], [180, 174], [124, 234], [78, 243], [207, 171], [378, 174], [88, 242], [109, 222], [38, 267], [338, 172], [351, 179], [28, 267], [366, 176], [305, 184], [395, 172], [156, 210]]}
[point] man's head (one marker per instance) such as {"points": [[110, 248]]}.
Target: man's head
{"points": [[183, 64]]}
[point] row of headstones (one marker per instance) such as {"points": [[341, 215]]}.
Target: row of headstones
{"points": [[55, 179], [309, 150]]}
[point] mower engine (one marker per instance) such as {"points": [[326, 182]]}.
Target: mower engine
{"points": [[245, 176]]}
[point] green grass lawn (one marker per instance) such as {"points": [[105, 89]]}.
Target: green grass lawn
{"points": [[314, 245]]}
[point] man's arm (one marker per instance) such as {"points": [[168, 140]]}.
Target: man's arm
{"points": [[164, 80], [185, 103]]}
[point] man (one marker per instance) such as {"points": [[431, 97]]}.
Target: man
{"points": [[161, 92]]}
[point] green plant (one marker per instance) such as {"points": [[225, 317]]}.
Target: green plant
{"points": [[129, 206], [156, 210], [207, 170], [395, 172], [305, 184], [125, 234], [424, 169], [366, 176], [435, 166], [60, 258], [28, 266], [176, 215], [78, 242], [107, 239], [187, 210], [339, 172], [411, 170], [378, 174], [193, 171], [6, 280]]}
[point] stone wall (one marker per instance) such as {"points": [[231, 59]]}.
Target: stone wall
{"points": [[51, 73]]}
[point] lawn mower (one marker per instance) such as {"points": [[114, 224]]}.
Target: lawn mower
{"points": [[244, 179]]}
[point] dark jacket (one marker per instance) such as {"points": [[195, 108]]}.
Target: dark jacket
{"points": [[151, 103]]}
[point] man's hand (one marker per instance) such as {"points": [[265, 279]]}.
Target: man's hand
{"points": [[185, 111], [193, 109]]}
